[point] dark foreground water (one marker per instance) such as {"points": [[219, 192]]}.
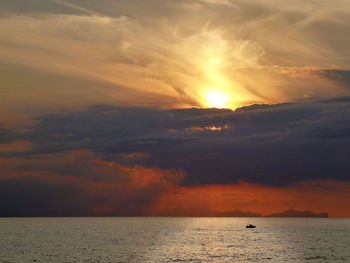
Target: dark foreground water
{"points": [[174, 240]]}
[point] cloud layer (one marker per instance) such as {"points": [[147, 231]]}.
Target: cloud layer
{"points": [[249, 51], [134, 161], [271, 144], [104, 107]]}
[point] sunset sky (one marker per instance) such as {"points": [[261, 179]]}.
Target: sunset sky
{"points": [[174, 108]]}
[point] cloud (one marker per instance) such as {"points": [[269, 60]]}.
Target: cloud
{"points": [[77, 184], [340, 76], [16, 146], [232, 199], [135, 155], [270, 144], [144, 65], [75, 7], [198, 46], [6, 135], [87, 186], [40, 197], [265, 159]]}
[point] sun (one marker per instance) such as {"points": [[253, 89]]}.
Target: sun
{"points": [[216, 99]]}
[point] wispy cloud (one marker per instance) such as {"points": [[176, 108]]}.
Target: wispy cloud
{"points": [[189, 51], [75, 7]]}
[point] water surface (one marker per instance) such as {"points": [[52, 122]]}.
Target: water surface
{"points": [[174, 240]]}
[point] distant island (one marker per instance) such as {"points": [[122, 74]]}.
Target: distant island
{"points": [[295, 213], [287, 213]]}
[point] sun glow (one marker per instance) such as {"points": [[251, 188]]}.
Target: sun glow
{"points": [[216, 99]]}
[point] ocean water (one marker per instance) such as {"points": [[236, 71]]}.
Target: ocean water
{"points": [[174, 240]]}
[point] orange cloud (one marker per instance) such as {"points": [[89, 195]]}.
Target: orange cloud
{"points": [[94, 186], [207, 128], [109, 188], [213, 200], [144, 176], [216, 128], [135, 155], [194, 129], [16, 146], [103, 163]]}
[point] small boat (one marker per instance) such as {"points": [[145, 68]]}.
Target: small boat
{"points": [[250, 226]]}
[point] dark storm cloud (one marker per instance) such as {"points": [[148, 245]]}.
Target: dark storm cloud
{"points": [[38, 197], [35, 196], [340, 76], [271, 144], [6, 135], [96, 189]]}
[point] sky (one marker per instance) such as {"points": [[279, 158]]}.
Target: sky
{"points": [[174, 108]]}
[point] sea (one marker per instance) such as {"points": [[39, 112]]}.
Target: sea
{"points": [[174, 239]]}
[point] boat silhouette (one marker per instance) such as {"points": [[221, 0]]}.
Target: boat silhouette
{"points": [[250, 226]]}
